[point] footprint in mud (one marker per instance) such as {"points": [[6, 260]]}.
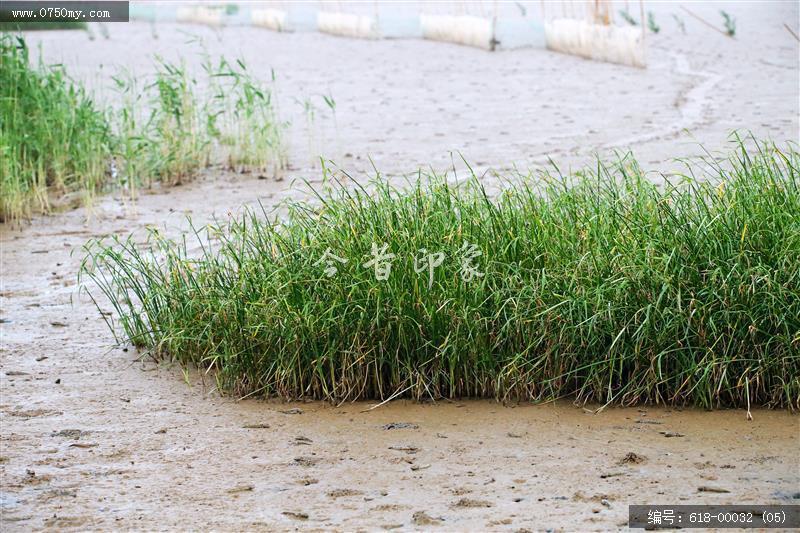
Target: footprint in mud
{"points": [[786, 495], [32, 478], [421, 518], [602, 499], [469, 503], [244, 487], [70, 433], [68, 522], [34, 413], [295, 515], [404, 448], [342, 493], [632, 458], [400, 425], [650, 422], [384, 507], [307, 461], [717, 490], [55, 494]]}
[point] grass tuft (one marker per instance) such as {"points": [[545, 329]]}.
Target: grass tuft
{"points": [[243, 118], [53, 139], [602, 287]]}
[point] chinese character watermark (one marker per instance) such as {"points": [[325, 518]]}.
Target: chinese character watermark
{"points": [[424, 261], [428, 261], [381, 262], [468, 254], [328, 259]]}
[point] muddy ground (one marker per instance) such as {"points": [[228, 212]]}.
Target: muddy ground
{"points": [[93, 437]]}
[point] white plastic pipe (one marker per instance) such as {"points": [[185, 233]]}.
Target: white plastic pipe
{"points": [[613, 44], [185, 14], [348, 25], [209, 17], [200, 15], [464, 29], [274, 19]]}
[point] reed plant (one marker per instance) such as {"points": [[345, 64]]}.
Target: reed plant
{"points": [[243, 118], [729, 22], [180, 140], [169, 128], [601, 286], [54, 140]]}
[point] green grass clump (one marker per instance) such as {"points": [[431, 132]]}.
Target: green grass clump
{"points": [[168, 132], [161, 128], [179, 138], [243, 118], [602, 287], [627, 17], [53, 138], [42, 26], [652, 25], [729, 23]]}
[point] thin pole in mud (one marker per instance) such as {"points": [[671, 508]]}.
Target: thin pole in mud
{"points": [[792, 32], [641, 20], [494, 41], [706, 22]]}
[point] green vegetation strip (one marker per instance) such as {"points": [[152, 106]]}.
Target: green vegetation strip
{"points": [[53, 139], [603, 287], [41, 26], [56, 141]]}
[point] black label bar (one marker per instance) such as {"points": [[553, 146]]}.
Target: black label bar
{"points": [[713, 516], [64, 11]]}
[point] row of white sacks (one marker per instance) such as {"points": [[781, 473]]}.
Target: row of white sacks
{"points": [[610, 43]]}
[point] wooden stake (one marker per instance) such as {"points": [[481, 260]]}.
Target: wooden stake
{"points": [[641, 20], [706, 23], [792, 32]]}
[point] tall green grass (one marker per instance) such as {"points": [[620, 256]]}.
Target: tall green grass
{"points": [[53, 138], [169, 131], [601, 287], [243, 118]]}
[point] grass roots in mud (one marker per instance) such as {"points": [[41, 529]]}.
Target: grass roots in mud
{"points": [[601, 287]]}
